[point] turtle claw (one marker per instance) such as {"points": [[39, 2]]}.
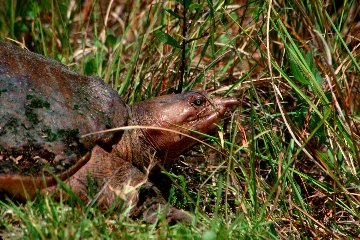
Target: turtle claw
{"points": [[171, 214], [152, 206]]}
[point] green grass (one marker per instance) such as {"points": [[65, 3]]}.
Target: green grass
{"points": [[289, 167]]}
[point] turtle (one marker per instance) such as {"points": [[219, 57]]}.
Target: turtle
{"points": [[55, 124]]}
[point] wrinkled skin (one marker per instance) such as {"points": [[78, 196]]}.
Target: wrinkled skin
{"points": [[115, 165]]}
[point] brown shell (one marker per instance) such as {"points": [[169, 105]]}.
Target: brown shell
{"points": [[45, 108]]}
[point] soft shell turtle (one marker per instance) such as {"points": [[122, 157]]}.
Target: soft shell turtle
{"points": [[46, 108]]}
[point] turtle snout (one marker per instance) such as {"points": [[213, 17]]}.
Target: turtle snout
{"points": [[222, 103]]}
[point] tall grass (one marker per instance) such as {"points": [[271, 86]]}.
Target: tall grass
{"points": [[288, 161]]}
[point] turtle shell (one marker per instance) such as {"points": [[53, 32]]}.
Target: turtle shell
{"points": [[45, 108]]}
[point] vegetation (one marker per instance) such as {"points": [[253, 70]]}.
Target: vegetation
{"points": [[288, 162]]}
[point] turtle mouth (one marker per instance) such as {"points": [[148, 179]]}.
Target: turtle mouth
{"points": [[205, 119]]}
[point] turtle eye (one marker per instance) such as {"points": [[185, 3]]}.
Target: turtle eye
{"points": [[198, 101]]}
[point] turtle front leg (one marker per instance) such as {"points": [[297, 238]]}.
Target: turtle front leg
{"points": [[110, 179], [107, 178]]}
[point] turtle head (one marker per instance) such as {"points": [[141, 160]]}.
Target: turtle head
{"points": [[188, 113]]}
